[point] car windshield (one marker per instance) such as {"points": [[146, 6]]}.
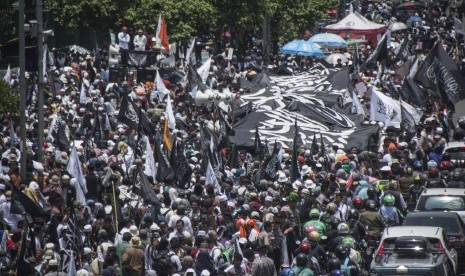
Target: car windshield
{"points": [[439, 203], [456, 153], [450, 224]]}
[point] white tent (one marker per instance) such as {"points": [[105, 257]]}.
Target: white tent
{"points": [[355, 25]]}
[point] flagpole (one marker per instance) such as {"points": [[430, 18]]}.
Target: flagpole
{"points": [[116, 225]]}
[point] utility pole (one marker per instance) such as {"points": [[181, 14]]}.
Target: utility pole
{"points": [[40, 80], [22, 87]]}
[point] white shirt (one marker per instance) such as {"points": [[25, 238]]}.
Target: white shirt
{"points": [[139, 42], [124, 39]]}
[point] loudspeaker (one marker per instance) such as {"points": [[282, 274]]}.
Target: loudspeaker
{"points": [[116, 73], [144, 74]]}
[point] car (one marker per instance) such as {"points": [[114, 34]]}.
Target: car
{"points": [[442, 199], [456, 151], [414, 250], [452, 223]]}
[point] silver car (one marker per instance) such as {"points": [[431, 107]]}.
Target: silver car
{"points": [[414, 250]]}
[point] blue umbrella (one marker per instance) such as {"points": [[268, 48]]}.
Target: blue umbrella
{"points": [[302, 48], [414, 18], [329, 40]]}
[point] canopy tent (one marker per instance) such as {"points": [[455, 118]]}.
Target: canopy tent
{"points": [[355, 25]]}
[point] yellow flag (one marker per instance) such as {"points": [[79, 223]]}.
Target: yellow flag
{"points": [[167, 140]]}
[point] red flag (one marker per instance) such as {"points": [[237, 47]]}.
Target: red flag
{"points": [[350, 181], [163, 35]]}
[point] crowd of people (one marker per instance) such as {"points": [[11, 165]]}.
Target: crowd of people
{"points": [[320, 224]]}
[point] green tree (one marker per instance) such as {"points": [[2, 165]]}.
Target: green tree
{"points": [[100, 15], [7, 20], [10, 100], [184, 18]]}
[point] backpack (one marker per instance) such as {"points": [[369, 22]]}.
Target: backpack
{"points": [[286, 271], [345, 270], [162, 262]]}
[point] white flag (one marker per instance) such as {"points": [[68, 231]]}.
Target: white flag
{"points": [[74, 168], [204, 70], [107, 122], [7, 77], [169, 115], [149, 168], [160, 88], [44, 60], [51, 128], [189, 52], [210, 177], [157, 34], [82, 94], [384, 109], [357, 107]]}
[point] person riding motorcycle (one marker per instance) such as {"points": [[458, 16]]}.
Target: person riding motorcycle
{"points": [[389, 212], [371, 218], [317, 256], [315, 221]]}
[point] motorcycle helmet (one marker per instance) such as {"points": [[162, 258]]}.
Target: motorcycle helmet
{"points": [[314, 236], [331, 208], [341, 252], [310, 229], [301, 259], [305, 248], [389, 200], [445, 165], [354, 214], [371, 204], [333, 264], [349, 242], [358, 202], [417, 165], [343, 228], [336, 272], [314, 213]]}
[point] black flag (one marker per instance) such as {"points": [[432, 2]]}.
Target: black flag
{"points": [[315, 148], [273, 164], [148, 194], [380, 53], [62, 140], [164, 171], [26, 251], [297, 143], [233, 162], [182, 169], [439, 72], [23, 202], [97, 131], [259, 149], [129, 115]]}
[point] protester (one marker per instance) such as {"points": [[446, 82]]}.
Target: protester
{"points": [[141, 176]]}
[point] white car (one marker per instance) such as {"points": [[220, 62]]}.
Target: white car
{"points": [[414, 250], [456, 150]]}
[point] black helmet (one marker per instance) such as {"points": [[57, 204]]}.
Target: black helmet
{"points": [[354, 214], [333, 264], [301, 259], [371, 204], [371, 192], [341, 252]]}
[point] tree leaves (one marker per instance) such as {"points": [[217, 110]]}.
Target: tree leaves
{"points": [[10, 100]]}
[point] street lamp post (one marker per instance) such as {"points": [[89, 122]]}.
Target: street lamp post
{"points": [[22, 87], [40, 80]]}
